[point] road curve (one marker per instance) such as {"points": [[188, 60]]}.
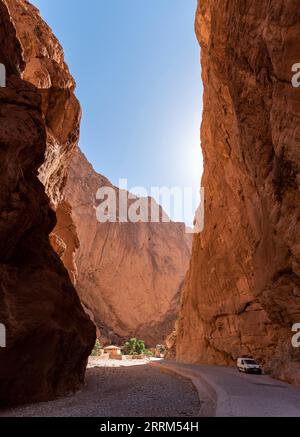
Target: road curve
{"points": [[226, 392]]}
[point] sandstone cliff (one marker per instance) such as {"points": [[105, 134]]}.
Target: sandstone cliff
{"points": [[44, 67], [243, 287], [128, 275], [49, 336]]}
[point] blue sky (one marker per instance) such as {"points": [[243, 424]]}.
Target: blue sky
{"points": [[137, 68]]}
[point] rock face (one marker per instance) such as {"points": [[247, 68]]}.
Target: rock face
{"points": [[128, 274], [44, 67], [49, 336], [243, 288]]}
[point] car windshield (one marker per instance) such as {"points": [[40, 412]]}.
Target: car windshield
{"points": [[250, 362]]}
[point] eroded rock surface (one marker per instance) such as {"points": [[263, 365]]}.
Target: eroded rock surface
{"points": [[44, 66], [243, 287], [49, 336], [129, 275]]}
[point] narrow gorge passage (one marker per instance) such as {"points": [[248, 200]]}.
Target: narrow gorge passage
{"points": [[109, 304]]}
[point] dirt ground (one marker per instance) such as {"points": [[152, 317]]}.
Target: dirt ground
{"points": [[121, 389]]}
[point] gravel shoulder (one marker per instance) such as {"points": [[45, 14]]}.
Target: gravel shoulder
{"points": [[121, 389]]}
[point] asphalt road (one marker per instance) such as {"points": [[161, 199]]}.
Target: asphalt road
{"points": [[238, 394], [131, 390]]}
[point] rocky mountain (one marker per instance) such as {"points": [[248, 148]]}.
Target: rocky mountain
{"points": [[243, 288], [49, 336], [128, 275]]}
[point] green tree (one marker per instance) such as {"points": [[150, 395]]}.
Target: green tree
{"points": [[134, 347], [97, 349]]}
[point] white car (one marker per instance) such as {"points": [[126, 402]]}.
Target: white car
{"points": [[248, 365]]}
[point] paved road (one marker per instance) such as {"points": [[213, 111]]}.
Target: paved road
{"points": [[238, 394]]}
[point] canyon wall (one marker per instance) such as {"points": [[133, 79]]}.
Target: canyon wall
{"points": [[44, 66], [49, 336], [243, 288], [128, 275]]}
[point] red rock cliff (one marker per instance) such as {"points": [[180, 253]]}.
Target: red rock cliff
{"points": [[44, 67], [243, 287], [48, 334], [128, 275]]}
